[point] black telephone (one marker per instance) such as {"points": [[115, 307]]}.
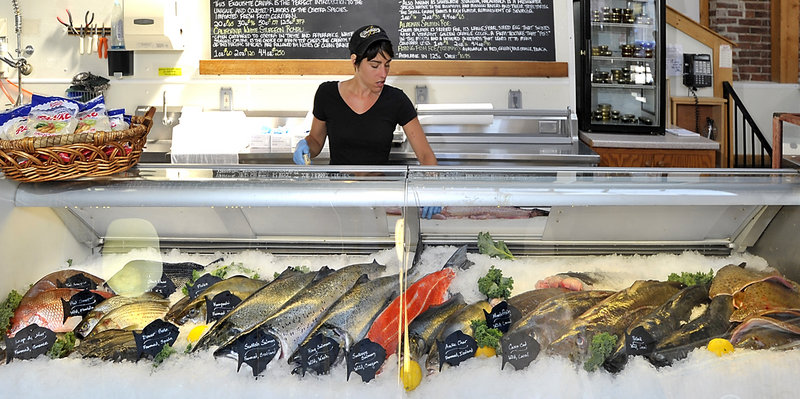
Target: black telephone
{"points": [[697, 70]]}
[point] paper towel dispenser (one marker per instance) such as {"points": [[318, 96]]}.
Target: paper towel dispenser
{"points": [[153, 25]]}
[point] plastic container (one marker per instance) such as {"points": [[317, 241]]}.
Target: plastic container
{"points": [[117, 26]]}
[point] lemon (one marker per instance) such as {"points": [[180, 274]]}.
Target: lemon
{"points": [[720, 346], [196, 333], [486, 351], [411, 374]]}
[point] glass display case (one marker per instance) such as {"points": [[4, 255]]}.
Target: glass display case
{"points": [[607, 230], [620, 61]]}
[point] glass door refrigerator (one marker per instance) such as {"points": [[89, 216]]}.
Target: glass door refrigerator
{"points": [[620, 65]]}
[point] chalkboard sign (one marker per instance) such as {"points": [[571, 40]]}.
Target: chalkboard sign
{"points": [[256, 349], [502, 316], [220, 305], [78, 281], [80, 304], [29, 343], [365, 358], [201, 284], [639, 342], [456, 348], [154, 336], [318, 354], [507, 30], [519, 349], [165, 287]]}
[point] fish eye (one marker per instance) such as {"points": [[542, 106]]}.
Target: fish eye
{"points": [[580, 340], [192, 312]]}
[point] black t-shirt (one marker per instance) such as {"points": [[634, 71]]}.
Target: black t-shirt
{"points": [[361, 139]]}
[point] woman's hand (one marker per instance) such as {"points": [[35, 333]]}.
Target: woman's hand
{"points": [[301, 153]]}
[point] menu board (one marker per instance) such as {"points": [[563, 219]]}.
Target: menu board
{"points": [[485, 30]]}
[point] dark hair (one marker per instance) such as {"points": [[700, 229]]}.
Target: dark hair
{"points": [[383, 46]]}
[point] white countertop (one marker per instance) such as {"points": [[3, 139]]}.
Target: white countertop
{"points": [[666, 141]]}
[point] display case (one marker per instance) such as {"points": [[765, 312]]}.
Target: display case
{"points": [[620, 62], [607, 227]]}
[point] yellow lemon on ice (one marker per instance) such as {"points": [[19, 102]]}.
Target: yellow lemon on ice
{"points": [[196, 333], [411, 374], [720, 346], [486, 351]]}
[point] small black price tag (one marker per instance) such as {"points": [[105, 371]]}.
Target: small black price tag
{"points": [[165, 287], [456, 348], [80, 304], [365, 358], [29, 343], [318, 354], [220, 305], [257, 349], [154, 336], [78, 281], [639, 342], [201, 284], [519, 350], [502, 316]]}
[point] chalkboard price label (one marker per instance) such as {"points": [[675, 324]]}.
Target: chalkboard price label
{"points": [[639, 342], [519, 350], [256, 349], [201, 284], [501, 317], [456, 348], [78, 281], [29, 343], [365, 358], [220, 305], [154, 336], [165, 287], [318, 354], [81, 303]]}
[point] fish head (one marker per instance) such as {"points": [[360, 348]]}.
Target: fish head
{"points": [[573, 345], [194, 314], [416, 346]]}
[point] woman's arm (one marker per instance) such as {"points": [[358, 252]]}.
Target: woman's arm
{"points": [[316, 137], [416, 136]]}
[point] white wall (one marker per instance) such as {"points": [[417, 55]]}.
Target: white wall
{"points": [[56, 61]]}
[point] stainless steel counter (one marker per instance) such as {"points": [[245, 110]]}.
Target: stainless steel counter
{"points": [[666, 141]]}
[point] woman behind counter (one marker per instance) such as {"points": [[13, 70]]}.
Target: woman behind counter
{"points": [[359, 115]]}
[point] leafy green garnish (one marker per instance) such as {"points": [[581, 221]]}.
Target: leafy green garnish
{"points": [[602, 345], [166, 352], [691, 279], [485, 336], [63, 346], [494, 285], [497, 249], [188, 349], [69, 262], [7, 309]]}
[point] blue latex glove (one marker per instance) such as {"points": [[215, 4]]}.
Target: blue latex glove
{"points": [[301, 153], [429, 211]]}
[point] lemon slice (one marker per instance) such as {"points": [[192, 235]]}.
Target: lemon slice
{"points": [[486, 351], [411, 374], [196, 333], [720, 346]]}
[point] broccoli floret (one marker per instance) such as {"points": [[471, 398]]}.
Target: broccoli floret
{"points": [[166, 352], [485, 336], [602, 345], [7, 309], [494, 285], [691, 279], [63, 346], [498, 249]]}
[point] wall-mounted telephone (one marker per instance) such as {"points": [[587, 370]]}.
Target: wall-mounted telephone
{"points": [[697, 70]]}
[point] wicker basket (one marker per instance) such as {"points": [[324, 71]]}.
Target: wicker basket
{"points": [[35, 159]]}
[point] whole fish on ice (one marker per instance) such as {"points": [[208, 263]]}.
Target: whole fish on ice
{"points": [[194, 310], [47, 310]]}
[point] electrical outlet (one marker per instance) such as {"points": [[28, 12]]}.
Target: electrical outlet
{"points": [[225, 99], [515, 99], [421, 94]]}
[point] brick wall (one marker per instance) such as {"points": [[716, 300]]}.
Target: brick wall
{"points": [[747, 24]]}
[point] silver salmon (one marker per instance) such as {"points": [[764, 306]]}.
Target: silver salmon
{"points": [[257, 307]]}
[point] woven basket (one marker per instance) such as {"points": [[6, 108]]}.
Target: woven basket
{"points": [[67, 156]]}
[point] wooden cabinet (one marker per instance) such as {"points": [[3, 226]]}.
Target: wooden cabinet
{"points": [[659, 158], [687, 114]]}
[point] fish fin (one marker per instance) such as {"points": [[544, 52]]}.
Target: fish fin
{"points": [[214, 261], [65, 308], [459, 259], [742, 265], [361, 280], [323, 272]]}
